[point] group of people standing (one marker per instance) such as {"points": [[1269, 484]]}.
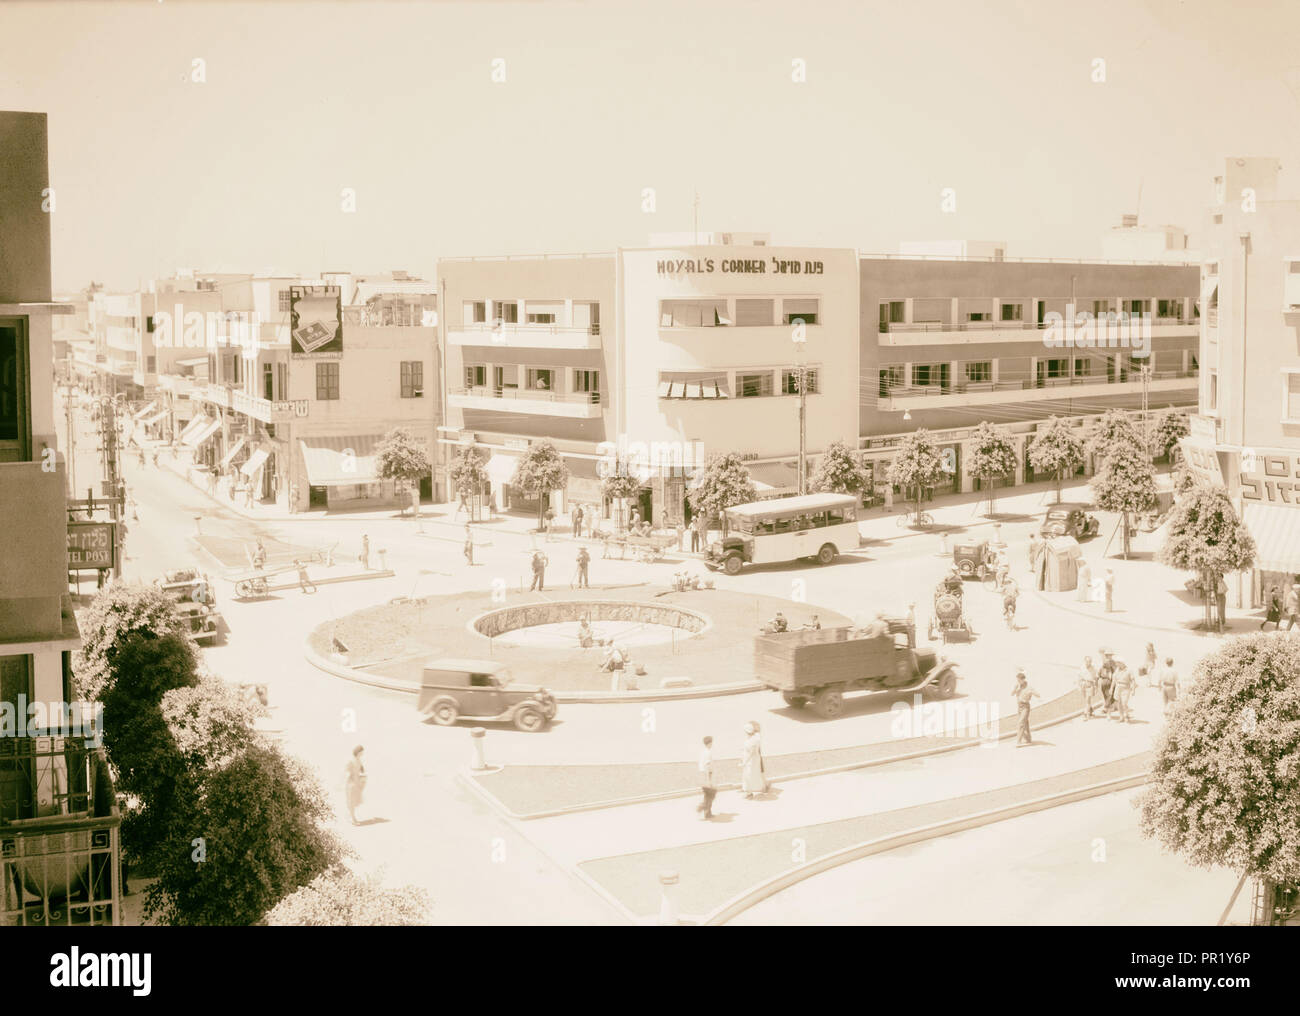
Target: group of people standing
{"points": [[753, 771], [1282, 606], [1114, 683]]}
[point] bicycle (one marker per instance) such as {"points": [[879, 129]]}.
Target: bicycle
{"points": [[906, 519]]}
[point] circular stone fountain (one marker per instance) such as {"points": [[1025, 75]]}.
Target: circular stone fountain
{"points": [[556, 625]]}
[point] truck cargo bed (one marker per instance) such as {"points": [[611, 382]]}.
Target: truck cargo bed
{"points": [[791, 660]]}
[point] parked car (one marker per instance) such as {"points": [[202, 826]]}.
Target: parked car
{"points": [[1067, 519], [974, 558], [453, 689]]}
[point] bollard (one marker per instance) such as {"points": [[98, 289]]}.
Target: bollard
{"points": [[198, 524], [943, 544], [477, 737], [668, 898], [383, 562]]}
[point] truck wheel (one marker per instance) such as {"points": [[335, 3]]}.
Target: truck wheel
{"points": [[947, 684], [445, 713], [732, 565], [529, 719], [829, 703], [795, 701], [826, 555]]}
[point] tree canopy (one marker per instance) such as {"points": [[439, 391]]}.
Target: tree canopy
{"points": [[917, 465], [724, 482], [1114, 429], [992, 455], [1224, 785], [1204, 535], [540, 471], [1125, 484], [399, 456], [1171, 429], [840, 471], [468, 471], [339, 898], [1056, 450]]}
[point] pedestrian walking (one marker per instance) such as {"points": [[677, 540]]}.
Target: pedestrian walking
{"points": [[539, 571], [1273, 603], [1110, 590], [697, 533], [1125, 685], [1084, 588], [1106, 681], [1087, 686], [753, 777], [303, 579], [1149, 664], [681, 535], [584, 560], [1292, 606], [469, 546], [708, 787], [1169, 685], [364, 556], [259, 555], [354, 782], [1010, 591], [1023, 695], [548, 520], [1221, 602], [1035, 547], [634, 519], [577, 520]]}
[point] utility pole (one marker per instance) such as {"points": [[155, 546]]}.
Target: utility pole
{"points": [[1145, 371], [801, 380]]}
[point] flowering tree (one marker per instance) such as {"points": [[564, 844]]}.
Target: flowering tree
{"points": [[620, 486], [840, 471], [1171, 429], [724, 482], [468, 473], [1056, 449], [1114, 429], [917, 466], [1205, 536], [1223, 789], [1126, 484], [340, 899], [992, 455], [540, 471], [399, 456]]}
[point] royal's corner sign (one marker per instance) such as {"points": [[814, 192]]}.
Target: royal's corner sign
{"points": [[737, 266]]}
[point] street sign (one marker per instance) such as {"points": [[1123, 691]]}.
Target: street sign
{"points": [[91, 545]]}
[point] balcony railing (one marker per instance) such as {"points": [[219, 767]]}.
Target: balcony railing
{"points": [[1025, 384], [525, 328], [59, 849], [897, 327], [530, 395]]}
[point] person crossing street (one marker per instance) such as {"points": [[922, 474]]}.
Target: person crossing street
{"points": [[539, 571], [584, 559]]}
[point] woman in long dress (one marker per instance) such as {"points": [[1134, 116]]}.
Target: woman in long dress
{"points": [[752, 779], [355, 784]]}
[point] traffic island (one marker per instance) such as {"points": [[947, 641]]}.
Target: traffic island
{"points": [[700, 636]]}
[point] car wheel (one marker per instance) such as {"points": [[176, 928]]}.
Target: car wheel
{"points": [[794, 701], [529, 719], [829, 703], [732, 565], [445, 713], [964, 567], [947, 684], [826, 555]]}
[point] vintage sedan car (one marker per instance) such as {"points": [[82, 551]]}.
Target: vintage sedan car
{"points": [[974, 558], [1069, 519], [454, 689]]}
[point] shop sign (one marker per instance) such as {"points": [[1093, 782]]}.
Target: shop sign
{"points": [[1202, 461], [738, 266], [1270, 477], [91, 545]]}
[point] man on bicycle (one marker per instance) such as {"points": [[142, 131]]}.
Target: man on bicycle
{"points": [[1009, 593]]}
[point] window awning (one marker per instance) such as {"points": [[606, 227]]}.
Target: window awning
{"points": [[196, 361], [255, 462], [192, 426], [501, 468], [1276, 529], [201, 433], [149, 421], [336, 461], [145, 411], [773, 478], [234, 450]]}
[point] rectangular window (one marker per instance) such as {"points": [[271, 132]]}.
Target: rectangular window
{"points": [[412, 379], [979, 371], [507, 312], [1291, 407], [790, 381], [543, 312], [150, 364], [475, 375], [1100, 308], [891, 377], [892, 313], [693, 314], [1082, 367], [587, 381], [540, 379], [755, 312], [977, 315], [15, 395], [1139, 306], [1013, 312], [268, 383], [1170, 309], [754, 386], [587, 315], [284, 301], [1058, 368], [800, 310], [281, 381], [474, 312], [327, 381], [929, 375], [1214, 390], [148, 324]]}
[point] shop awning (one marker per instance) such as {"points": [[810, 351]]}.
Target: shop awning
{"points": [[255, 462], [234, 450], [149, 421], [145, 411], [773, 478], [1276, 529], [200, 433], [191, 427], [196, 361], [501, 468], [335, 461]]}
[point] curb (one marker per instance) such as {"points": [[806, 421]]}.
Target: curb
{"points": [[784, 880], [1038, 593]]}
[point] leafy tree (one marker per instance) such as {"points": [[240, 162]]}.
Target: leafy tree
{"points": [[1224, 786], [1126, 484], [253, 836], [917, 466], [340, 898], [1114, 429], [619, 486], [468, 473], [118, 611], [1171, 429], [1204, 535], [1184, 480], [840, 471], [399, 456], [210, 722], [992, 455], [724, 482], [1057, 450], [541, 470]]}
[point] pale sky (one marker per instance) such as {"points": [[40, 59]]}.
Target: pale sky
{"points": [[154, 171]]}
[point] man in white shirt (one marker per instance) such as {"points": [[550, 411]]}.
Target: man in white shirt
{"points": [[707, 785]]}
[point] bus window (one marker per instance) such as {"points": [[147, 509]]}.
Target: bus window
{"points": [[819, 520], [766, 527], [745, 526], [783, 526], [834, 517]]}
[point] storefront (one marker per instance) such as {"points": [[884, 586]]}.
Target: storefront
{"points": [[340, 472]]}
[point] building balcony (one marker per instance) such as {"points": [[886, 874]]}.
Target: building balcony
{"points": [[524, 336], [930, 333], [60, 859], [988, 393], [576, 405]]}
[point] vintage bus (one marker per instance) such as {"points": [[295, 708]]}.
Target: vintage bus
{"points": [[787, 529]]}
